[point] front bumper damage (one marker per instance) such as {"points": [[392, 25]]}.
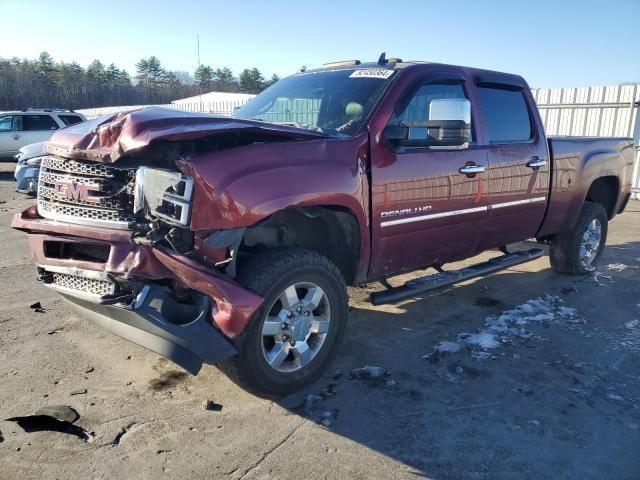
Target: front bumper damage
{"points": [[145, 323], [188, 333]]}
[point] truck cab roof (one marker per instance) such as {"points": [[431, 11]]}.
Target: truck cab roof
{"points": [[481, 76]]}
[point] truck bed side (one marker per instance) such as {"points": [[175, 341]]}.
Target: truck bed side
{"points": [[578, 163]]}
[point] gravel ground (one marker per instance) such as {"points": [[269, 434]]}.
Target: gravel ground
{"points": [[558, 397]]}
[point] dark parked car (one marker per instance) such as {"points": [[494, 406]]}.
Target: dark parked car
{"points": [[231, 240]]}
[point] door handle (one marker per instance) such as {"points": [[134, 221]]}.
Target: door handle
{"points": [[16, 136], [536, 163], [472, 169]]}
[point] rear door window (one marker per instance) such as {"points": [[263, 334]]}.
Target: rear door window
{"points": [[506, 115], [70, 119], [38, 122]]}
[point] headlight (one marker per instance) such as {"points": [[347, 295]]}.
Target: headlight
{"points": [[34, 162], [164, 194]]}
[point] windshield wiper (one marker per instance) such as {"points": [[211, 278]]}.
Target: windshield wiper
{"points": [[331, 132]]}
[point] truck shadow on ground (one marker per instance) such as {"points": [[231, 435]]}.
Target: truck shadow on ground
{"points": [[534, 402]]}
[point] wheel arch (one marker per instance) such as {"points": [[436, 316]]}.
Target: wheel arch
{"points": [[605, 191], [332, 231]]}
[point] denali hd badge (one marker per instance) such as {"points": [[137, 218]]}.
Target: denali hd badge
{"points": [[71, 190], [405, 211]]}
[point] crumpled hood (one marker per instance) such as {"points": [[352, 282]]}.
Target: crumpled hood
{"points": [[107, 138]]}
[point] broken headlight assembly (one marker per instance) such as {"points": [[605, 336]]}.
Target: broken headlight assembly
{"points": [[163, 194]]}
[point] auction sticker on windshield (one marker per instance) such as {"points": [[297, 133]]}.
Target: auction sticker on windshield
{"points": [[372, 73]]}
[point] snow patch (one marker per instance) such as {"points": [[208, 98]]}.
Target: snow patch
{"points": [[484, 340], [619, 267], [596, 276], [447, 347], [510, 325]]}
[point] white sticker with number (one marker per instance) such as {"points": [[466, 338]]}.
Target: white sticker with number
{"points": [[372, 73]]}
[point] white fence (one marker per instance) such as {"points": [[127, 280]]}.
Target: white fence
{"points": [[224, 108], [611, 111]]}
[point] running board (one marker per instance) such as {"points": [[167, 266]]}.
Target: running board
{"points": [[445, 279]]}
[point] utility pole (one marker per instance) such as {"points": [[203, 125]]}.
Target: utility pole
{"points": [[199, 86]]}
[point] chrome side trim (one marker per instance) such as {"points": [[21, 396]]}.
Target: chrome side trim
{"points": [[465, 211], [518, 202], [472, 169], [421, 218]]}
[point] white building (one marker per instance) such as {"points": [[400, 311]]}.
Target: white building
{"points": [[215, 97]]}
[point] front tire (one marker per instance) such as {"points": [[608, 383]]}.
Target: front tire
{"points": [[578, 251], [293, 337]]}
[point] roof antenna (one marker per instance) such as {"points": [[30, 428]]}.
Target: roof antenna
{"points": [[382, 59]]}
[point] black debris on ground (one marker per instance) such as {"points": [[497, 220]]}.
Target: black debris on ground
{"points": [[168, 380], [37, 307], [81, 391], [212, 406], [1, 437], [56, 418]]}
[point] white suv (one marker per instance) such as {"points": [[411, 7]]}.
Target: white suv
{"points": [[18, 129]]}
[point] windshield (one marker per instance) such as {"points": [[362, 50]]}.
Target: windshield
{"points": [[333, 102]]}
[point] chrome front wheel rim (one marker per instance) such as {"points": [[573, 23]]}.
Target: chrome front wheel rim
{"points": [[296, 327], [590, 243]]}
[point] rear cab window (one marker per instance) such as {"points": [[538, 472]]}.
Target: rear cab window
{"points": [[506, 115]]}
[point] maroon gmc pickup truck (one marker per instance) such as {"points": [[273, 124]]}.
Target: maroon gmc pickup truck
{"points": [[230, 241]]}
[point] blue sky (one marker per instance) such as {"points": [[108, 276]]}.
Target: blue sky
{"points": [[551, 43]]}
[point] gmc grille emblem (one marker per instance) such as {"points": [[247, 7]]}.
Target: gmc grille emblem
{"points": [[71, 190]]}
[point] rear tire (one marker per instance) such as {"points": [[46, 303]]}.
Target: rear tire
{"points": [[303, 291], [578, 251]]}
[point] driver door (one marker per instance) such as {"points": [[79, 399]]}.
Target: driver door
{"points": [[429, 203]]}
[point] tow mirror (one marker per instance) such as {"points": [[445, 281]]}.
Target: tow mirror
{"points": [[396, 133], [448, 125]]}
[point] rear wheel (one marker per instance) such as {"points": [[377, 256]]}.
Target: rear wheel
{"points": [[578, 251], [295, 334]]}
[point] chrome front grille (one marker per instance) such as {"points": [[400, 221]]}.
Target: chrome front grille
{"points": [[82, 168], [87, 193]]}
